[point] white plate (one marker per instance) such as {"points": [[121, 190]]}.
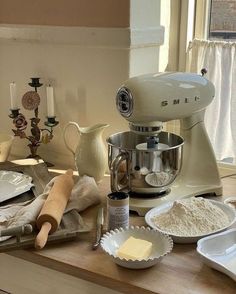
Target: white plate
{"points": [[13, 184], [162, 245], [188, 239], [219, 252]]}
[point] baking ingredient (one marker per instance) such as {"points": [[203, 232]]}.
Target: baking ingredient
{"points": [[157, 179], [192, 217], [117, 210], [135, 249]]}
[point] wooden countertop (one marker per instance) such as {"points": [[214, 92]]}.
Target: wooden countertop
{"points": [[182, 271]]}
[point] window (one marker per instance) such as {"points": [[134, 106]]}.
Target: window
{"points": [[222, 20], [214, 46]]}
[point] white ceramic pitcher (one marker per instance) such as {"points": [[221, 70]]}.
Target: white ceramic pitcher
{"points": [[90, 155]]}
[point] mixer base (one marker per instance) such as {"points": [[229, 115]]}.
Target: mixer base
{"points": [[142, 205], [148, 196]]}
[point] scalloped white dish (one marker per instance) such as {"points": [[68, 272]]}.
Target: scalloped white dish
{"points": [[219, 252], [162, 245], [188, 239], [13, 184]]}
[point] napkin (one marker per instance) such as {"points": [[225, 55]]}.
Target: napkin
{"points": [[84, 194]]}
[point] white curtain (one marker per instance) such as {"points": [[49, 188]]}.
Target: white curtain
{"points": [[219, 58]]}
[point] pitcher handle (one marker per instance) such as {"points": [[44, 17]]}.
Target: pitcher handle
{"points": [[114, 171], [71, 123]]}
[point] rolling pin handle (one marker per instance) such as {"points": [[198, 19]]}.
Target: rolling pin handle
{"points": [[42, 236], [69, 172]]}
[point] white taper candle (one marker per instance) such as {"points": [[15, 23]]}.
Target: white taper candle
{"points": [[50, 102], [13, 96]]}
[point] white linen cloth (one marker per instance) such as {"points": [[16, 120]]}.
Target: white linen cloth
{"points": [[84, 194], [219, 58]]}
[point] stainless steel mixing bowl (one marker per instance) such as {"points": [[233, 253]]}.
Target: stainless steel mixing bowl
{"points": [[138, 169]]}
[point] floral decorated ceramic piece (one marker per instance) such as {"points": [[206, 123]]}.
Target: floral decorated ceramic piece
{"points": [[30, 100]]}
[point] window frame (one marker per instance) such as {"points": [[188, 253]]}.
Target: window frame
{"points": [[202, 19], [194, 23]]}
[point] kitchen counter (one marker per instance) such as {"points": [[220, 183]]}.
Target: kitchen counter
{"points": [[182, 271]]}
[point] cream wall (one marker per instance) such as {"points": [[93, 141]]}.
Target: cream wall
{"points": [[86, 13], [85, 65], [85, 80], [145, 17]]}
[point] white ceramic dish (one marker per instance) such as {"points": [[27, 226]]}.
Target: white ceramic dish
{"points": [[219, 252], [162, 245], [13, 184], [188, 239]]}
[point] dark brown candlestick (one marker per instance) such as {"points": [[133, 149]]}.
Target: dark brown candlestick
{"points": [[31, 101]]}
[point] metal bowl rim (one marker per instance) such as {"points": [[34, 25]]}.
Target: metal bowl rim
{"points": [[132, 149]]}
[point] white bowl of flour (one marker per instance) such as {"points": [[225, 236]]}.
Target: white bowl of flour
{"points": [[188, 220]]}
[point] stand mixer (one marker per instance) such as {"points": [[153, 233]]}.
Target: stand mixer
{"points": [[155, 166]]}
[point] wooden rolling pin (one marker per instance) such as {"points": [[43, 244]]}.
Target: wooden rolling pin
{"points": [[53, 208]]}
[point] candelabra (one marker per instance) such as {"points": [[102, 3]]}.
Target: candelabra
{"points": [[31, 101]]}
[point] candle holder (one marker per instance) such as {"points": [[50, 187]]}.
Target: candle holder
{"points": [[31, 101], [14, 113]]}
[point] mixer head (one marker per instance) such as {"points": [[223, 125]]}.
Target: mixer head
{"points": [[148, 100]]}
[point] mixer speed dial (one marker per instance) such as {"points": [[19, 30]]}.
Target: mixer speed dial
{"points": [[124, 102]]}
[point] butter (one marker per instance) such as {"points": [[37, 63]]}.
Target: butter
{"points": [[135, 249]]}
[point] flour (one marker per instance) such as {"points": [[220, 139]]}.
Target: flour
{"points": [[157, 179], [192, 217]]}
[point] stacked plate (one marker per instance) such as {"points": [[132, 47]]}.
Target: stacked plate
{"points": [[13, 184]]}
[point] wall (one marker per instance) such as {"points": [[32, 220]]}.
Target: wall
{"points": [[144, 55], [85, 79], [85, 13], [85, 65]]}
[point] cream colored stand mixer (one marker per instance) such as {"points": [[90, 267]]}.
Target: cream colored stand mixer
{"points": [[155, 166]]}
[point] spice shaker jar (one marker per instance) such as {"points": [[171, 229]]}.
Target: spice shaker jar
{"points": [[117, 210]]}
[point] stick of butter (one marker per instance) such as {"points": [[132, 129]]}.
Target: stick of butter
{"points": [[135, 249]]}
